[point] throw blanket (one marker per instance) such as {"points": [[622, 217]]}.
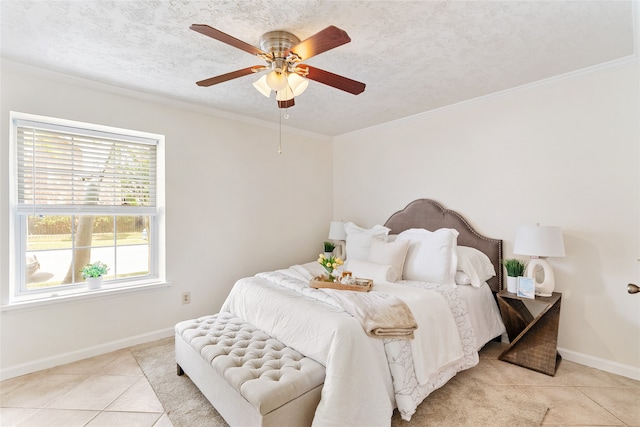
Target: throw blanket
{"points": [[380, 314]]}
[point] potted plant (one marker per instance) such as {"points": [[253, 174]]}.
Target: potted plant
{"points": [[515, 268], [93, 273], [328, 249]]}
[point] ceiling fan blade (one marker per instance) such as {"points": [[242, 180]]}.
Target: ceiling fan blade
{"points": [[230, 76], [226, 38], [286, 104], [330, 79], [327, 39]]}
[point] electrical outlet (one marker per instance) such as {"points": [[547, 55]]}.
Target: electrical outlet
{"points": [[186, 297]]}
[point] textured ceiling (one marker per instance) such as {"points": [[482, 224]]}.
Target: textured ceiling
{"points": [[414, 56]]}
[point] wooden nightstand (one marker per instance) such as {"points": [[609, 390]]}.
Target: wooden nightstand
{"points": [[533, 339]]}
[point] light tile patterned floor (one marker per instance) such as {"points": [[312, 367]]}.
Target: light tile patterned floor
{"points": [[111, 390], [108, 390], [577, 395]]}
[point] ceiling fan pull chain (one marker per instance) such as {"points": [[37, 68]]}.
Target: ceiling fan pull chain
{"points": [[280, 143], [283, 112]]}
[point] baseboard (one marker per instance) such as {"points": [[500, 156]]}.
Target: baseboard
{"points": [[50, 362], [628, 371], [74, 356]]}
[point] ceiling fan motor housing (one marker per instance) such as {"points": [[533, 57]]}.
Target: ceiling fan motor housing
{"points": [[278, 43]]}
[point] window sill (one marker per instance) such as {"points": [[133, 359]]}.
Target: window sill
{"points": [[51, 299]]}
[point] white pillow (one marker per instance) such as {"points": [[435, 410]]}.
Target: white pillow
{"points": [[432, 256], [359, 240], [475, 264], [373, 271], [389, 253]]}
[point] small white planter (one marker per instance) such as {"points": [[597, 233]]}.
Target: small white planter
{"points": [[94, 282], [512, 284]]}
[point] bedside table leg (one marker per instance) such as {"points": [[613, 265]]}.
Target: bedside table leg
{"points": [[515, 316]]}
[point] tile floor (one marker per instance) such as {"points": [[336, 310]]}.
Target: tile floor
{"points": [[104, 391], [111, 390], [577, 395]]}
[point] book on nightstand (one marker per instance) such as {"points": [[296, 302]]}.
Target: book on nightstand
{"points": [[526, 288]]}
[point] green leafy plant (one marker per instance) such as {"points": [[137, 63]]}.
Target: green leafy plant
{"points": [[329, 246], [96, 269], [515, 267]]}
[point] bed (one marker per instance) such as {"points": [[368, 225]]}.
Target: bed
{"points": [[367, 376]]}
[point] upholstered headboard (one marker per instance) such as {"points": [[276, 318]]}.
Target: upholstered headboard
{"points": [[428, 214]]}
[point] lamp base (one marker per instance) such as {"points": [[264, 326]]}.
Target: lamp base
{"points": [[546, 286], [339, 251]]}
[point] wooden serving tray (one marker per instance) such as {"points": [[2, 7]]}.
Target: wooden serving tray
{"points": [[335, 285]]}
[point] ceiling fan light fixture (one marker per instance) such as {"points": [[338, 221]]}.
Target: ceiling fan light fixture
{"points": [[262, 86], [276, 80], [297, 83], [285, 94]]}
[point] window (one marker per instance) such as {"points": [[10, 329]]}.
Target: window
{"points": [[83, 193]]}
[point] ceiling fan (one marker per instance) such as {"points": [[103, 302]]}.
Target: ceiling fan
{"points": [[283, 53]]}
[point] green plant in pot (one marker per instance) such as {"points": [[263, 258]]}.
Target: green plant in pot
{"points": [[93, 273], [328, 248], [515, 268]]}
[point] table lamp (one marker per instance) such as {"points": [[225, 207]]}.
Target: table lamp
{"points": [[338, 235], [539, 242]]}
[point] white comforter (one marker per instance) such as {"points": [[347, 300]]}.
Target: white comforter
{"points": [[365, 377]]}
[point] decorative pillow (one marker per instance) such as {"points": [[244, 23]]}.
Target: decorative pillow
{"points": [[359, 240], [389, 253], [475, 264], [373, 271], [432, 256], [461, 278]]}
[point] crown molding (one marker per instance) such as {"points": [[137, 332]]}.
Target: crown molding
{"points": [[148, 97]]}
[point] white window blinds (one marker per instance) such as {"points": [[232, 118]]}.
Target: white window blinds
{"points": [[62, 168]]}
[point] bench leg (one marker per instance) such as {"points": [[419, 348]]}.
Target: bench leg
{"points": [[179, 370]]}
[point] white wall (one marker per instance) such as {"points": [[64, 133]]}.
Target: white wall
{"points": [[563, 152], [234, 207]]}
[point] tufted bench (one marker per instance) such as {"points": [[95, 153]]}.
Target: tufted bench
{"points": [[250, 378]]}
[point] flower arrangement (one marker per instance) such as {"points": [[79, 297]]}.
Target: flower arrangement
{"points": [[330, 264], [96, 269]]}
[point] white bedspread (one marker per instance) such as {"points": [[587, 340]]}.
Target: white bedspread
{"points": [[365, 376], [356, 366]]}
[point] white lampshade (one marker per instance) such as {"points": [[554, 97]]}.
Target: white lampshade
{"points": [[297, 83], [336, 231], [277, 80], [262, 86], [284, 94], [540, 241]]}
